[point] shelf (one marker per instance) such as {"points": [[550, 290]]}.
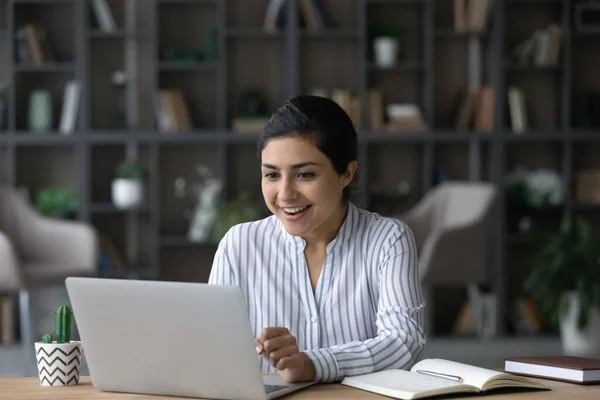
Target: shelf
{"points": [[39, 139], [450, 33], [251, 33], [117, 34], [535, 136], [331, 34], [202, 66], [46, 68], [585, 135], [182, 241], [129, 273], [398, 2], [109, 208], [400, 67], [186, 2], [47, 2], [532, 68]]}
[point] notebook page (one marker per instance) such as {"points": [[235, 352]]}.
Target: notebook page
{"points": [[404, 384], [471, 375]]}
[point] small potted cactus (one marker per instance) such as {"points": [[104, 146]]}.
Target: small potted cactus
{"points": [[58, 357]]}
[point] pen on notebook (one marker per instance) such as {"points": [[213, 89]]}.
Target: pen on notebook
{"points": [[440, 375]]}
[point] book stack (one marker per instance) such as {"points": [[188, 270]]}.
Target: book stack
{"points": [[404, 118], [172, 111]]}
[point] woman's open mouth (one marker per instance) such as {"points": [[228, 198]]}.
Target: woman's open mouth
{"points": [[295, 213]]}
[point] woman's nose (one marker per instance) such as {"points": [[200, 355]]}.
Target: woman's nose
{"points": [[287, 191]]}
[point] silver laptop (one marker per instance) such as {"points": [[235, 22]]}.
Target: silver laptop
{"points": [[171, 339]]}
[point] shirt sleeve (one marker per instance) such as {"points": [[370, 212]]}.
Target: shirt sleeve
{"points": [[400, 337], [222, 271]]}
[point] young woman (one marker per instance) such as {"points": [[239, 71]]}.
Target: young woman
{"points": [[332, 290]]}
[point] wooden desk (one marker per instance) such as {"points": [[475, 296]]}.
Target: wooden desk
{"points": [[30, 389]]}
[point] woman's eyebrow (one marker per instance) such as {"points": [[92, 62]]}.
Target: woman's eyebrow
{"points": [[294, 166]]}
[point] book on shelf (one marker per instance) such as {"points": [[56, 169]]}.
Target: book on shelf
{"points": [[517, 109], [434, 377], [68, 118], [172, 111], [542, 48], [104, 17], [562, 368], [472, 15]]}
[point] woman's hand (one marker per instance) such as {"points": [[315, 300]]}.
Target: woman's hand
{"points": [[280, 347]]}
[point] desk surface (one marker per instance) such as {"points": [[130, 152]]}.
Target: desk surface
{"points": [[30, 389]]}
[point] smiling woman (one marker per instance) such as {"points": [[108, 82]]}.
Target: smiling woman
{"points": [[332, 289]]}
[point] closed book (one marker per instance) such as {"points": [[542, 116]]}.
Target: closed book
{"points": [[562, 368], [434, 377]]}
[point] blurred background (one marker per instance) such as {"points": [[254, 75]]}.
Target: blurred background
{"points": [[133, 123]]}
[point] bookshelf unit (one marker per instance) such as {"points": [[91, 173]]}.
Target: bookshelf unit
{"points": [[396, 168]]}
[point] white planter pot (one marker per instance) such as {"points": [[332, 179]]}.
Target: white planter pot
{"points": [[574, 341], [59, 364], [127, 193], [386, 51]]}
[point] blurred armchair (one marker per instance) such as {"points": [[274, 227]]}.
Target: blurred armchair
{"points": [[38, 251], [452, 229]]}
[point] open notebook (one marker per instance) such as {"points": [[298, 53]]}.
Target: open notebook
{"points": [[432, 377]]}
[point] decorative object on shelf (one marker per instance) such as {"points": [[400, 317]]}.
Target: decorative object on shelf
{"points": [[239, 210], [542, 48], [58, 357], [57, 202], [253, 110], [41, 118], [587, 16], [205, 193], [387, 42], [119, 81], [129, 185], [3, 108], [529, 193], [564, 278]]}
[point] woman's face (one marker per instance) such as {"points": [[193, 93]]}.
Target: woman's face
{"points": [[301, 187]]}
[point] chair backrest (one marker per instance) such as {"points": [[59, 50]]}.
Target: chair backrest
{"points": [[462, 203], [460, 255]]}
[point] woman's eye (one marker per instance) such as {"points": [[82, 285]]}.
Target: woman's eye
{"points": [[271, 175], [306, 175]]}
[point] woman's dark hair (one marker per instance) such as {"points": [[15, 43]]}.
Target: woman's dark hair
{"points": [[319, 118]]}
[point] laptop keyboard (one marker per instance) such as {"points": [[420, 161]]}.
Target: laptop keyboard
{"points": [[273, 388]]}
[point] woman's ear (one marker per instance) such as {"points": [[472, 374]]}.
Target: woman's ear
{"points": [[347, 176]]}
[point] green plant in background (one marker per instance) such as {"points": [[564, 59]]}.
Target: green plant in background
{"points": [[567, 261], [388, 28], [131, 170], [58, 202], [242, 209], [62, 334]]}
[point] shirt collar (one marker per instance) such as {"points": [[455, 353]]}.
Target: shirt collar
{"points": [[348, 226]]}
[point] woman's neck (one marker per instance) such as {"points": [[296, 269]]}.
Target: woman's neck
{"points": [[328, 231]]}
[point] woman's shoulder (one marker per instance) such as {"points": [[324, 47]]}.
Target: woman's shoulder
{"points": [[382, 229]]}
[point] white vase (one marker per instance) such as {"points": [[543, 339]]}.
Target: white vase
{"points": [[574, 341], [127, 193], [386, 51], [59, 364]]}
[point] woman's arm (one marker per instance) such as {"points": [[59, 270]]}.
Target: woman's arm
{"points": [[400, 338], [222, 272]]}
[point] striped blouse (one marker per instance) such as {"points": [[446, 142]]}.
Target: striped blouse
{"points": [[366, 313]]}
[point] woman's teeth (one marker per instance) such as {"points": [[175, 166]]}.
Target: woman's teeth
{"points": [[293, 210]]}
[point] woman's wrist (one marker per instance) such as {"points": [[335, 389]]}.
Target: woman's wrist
{"points": [[309, 370]]}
